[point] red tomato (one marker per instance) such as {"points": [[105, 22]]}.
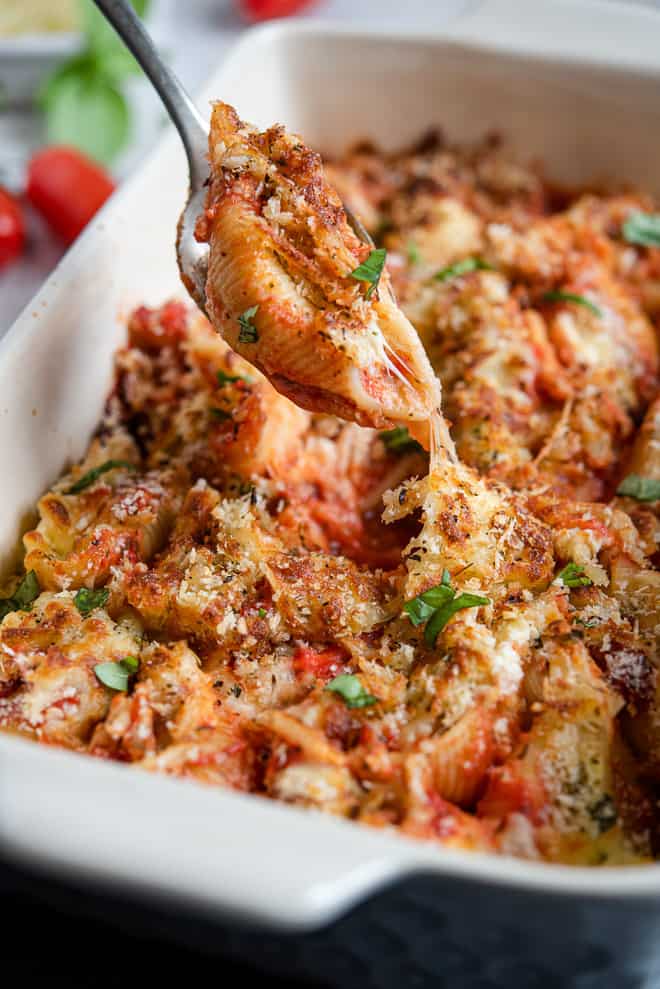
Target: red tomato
{"points": [[67, 188], [323, 665], [265, 10], [12, 229], [153, 329]]}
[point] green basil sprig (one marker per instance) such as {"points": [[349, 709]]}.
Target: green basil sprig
{"points": [[371, 269], [25, 594], [399, 441], [437, 605], [117, 675], [578, 300], [351, 691], [463, 267], [87, 600], [93, 475], [573, 575], [642, 228], [640, 488], [248, 331]]}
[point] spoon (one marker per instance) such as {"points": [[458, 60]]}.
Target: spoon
{"points": [[192, 256]]}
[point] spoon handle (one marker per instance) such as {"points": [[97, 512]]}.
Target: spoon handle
{"points": [[185, 116]]}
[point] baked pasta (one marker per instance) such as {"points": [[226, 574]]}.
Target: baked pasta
{"points": [[292, 288], [257, 595]]}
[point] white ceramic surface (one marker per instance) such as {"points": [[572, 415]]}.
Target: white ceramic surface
{"points": [[592, 109]]}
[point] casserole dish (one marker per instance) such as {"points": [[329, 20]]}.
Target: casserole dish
{"points": [[243, 861]]}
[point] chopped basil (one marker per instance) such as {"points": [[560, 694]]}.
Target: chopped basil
{"points": [[94, 474], [27, 591], [248, 331], [578, 300], [117, 675], [462, 268], [641, 488], [371, 269], [573, 575], [412, 251], [351, 691], [220, 414], [399, 440], [262, 612], [421, 608], [642, 228], [437, 605], [230, 379], [86, 601]]}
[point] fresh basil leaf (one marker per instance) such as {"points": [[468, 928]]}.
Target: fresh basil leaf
{"points": [[96, 472], [230, 379], [640, 488], [462, 268], [25, 594], [248, 331], [399, 440], [220, 414], [351, 691], [86, 110], [112, 675], [371, 269], [27, 591], [573, 575], [422, 607], [578, 300], [440, 618], [642, 228], [437, 605], [87, 600], [116, 675]]}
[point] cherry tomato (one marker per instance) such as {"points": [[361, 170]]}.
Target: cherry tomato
{"points": [[67, 188], [12, 229], [265, 10]]}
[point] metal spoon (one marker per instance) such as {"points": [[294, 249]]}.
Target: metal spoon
{"points": [[193, 130]]}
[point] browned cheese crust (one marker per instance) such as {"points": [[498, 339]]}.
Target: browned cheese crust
{"points": [[246, 552]]}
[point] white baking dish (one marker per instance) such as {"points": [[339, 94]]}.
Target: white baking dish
{"points": [[576, 84]]}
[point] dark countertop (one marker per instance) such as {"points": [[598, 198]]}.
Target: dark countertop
{"points": [[56, 935]]}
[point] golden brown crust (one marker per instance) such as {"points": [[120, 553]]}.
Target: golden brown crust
{"points": [[280, 242], [259, 570]]}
